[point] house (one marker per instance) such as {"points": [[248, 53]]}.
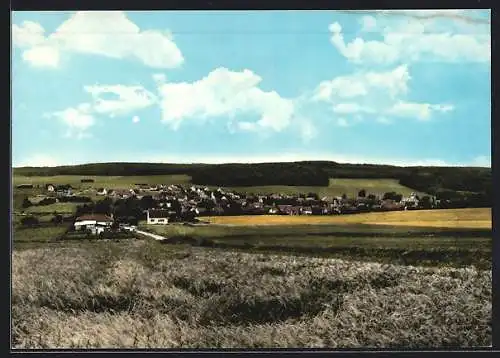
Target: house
{"points": [[289, 209], [123, 193], [49, 187], [411, 202], [307, 210], [159, 216], [102, 191], [96, 223], [274, 210], [63, 190], [389, 204]]}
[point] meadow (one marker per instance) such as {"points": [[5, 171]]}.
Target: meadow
{"points": [[112, 182], [336, 187], [144, 294], [60, 208], [427, 246]]}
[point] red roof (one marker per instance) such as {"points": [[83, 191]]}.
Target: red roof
{"points": [[96, 217]]}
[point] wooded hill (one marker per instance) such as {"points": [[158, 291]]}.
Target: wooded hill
{"points": [[448, 182]]}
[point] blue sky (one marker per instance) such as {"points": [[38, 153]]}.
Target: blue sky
{"points": [[400, 87]]}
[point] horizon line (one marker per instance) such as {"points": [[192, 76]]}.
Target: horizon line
{"points": [[447, 165]]}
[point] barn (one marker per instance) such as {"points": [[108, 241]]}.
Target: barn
{"points": [[96, 223]]}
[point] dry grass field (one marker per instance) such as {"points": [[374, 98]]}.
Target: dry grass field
{"points": [[146, 294], [479, 218]]}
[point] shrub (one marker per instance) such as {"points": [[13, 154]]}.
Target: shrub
{"points": [[29, 221], [47, 201], [27, 203], [57, 219]]}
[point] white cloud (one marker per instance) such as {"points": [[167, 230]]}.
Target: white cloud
{"points": [[28, 34], [77, 120], [412, 39], [368, 23], [159, 77], [126, 98], [225, 93], [383, 93], [136, 119], [307, 130], [482, 161], [38, 160], [105, 33], [37, 50], [393, 82], [421, 111], [42, 56], [346, 108]]}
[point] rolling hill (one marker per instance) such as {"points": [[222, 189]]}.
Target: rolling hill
{"points": [[447, 181]]}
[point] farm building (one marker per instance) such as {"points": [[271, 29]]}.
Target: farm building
{"points": [[50, 187], [96, 223], [102, 191], [159, 216], [307, 210]]}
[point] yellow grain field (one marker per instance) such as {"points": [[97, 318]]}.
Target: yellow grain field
{"points": [[477, 218]]}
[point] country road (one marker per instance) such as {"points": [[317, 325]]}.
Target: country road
{"points": [[154, 236]]}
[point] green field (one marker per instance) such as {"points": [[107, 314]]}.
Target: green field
{"points": [[60, 208], [102, 181], [37, 235], [337, 187], [393, 244]]}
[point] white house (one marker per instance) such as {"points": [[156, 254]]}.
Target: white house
{"points": [[102, 191], [96, 223], [158, 217], [273, 210]]}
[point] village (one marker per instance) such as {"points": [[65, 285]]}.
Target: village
{"points": [[166, 204]]}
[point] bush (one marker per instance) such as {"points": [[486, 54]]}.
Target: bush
{"points": [[393, 196], [57, 219], [75, 199], [30, 221], [27, 203], [47, 201]]}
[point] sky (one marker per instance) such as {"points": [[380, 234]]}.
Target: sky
{"points": [[383, 87]]}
